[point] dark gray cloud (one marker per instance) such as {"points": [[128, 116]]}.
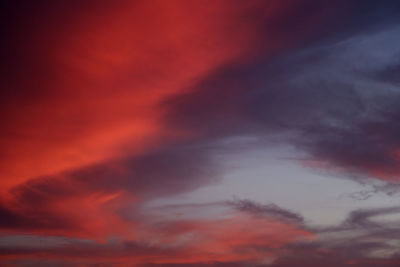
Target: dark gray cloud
{"points": [[81, 252], [361, 218], [358, 241], [336, 102], [267, 210]]}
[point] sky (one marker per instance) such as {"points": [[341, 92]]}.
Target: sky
{"points": [[200, 133]]}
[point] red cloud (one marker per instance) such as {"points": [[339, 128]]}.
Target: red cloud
{"points": [[239, 237], [86, 138], [94, 75]]}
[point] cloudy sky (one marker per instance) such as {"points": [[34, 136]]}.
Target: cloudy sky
{"points": [[188, 133]]}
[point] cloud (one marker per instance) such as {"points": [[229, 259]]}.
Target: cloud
{"points": [[108, 120], [267, 210], [358, 241], [90, 77], [106, 107], [240, 239], [357, 135], [329, 101], [361, 218], [71, 202], [233, 237]]}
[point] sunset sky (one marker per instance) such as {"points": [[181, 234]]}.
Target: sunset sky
{"points": [[200, 133]]}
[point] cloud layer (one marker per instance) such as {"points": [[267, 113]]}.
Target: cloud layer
{"points": [[106, 107]]}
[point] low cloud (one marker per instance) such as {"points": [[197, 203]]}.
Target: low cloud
{"points": [[267, 210]]}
